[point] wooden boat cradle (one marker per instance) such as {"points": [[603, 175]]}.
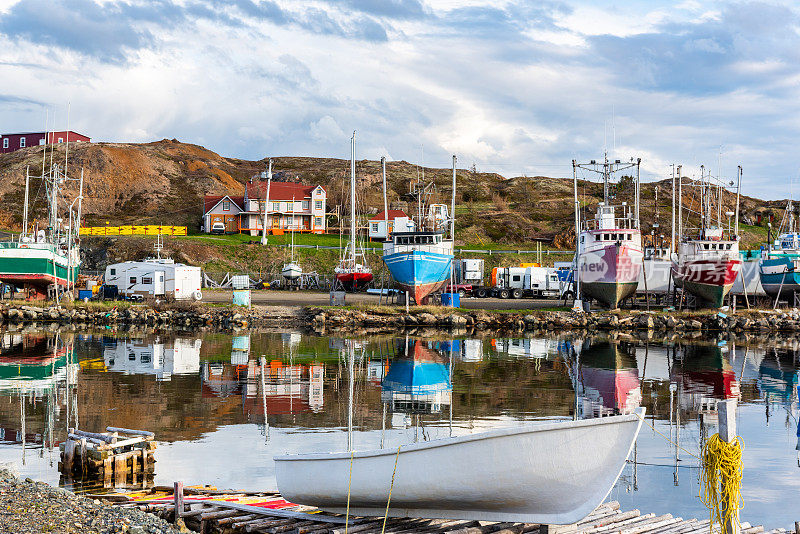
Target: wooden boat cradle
{"points": [[208, 511]]}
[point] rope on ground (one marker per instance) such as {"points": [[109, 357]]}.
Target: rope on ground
{"points": [[391, 487], [349, 484], [721, 481]]}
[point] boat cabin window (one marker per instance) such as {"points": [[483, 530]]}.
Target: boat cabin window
{"points": [[582, 239]]}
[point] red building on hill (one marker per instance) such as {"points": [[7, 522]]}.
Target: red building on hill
{"points": [[9, 142]]}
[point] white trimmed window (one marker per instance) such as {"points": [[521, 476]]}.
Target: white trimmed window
{"points": [[22, 142], [317, 204], [60, 139], [318, 222], [5, 142], [305, 205], [226, 205]]}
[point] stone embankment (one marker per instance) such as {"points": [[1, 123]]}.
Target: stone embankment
{"points": [[329, 319], [82, 317], [380, 319]]}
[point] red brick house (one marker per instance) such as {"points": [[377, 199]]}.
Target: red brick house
{"points": [[9, 142]]}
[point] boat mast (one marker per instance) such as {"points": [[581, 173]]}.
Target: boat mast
{"points": [[353, 229], [575, 275], [680, 206], [385, 200], [672, 226], [606, 173], [453, 204], [738, 191], [25, 206], [639, 192], [266, 203], [292, 260]]}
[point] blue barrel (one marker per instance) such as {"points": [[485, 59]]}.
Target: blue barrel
{"points": [[84, 294], [452, 300]]}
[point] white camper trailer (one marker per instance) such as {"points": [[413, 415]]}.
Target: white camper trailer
{"points": [[160, 277]]}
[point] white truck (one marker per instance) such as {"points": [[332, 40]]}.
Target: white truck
{"points": [[519, 282], [157, 277]]}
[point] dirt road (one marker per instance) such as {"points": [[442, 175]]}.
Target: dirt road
{"points": [[318, 298]]}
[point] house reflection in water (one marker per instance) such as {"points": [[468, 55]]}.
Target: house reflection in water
{"points": [[155, 356]]}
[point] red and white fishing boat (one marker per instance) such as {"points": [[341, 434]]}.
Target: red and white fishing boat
{"points": [[707, 261], [609, 249], [352, 275], [707, 266]]}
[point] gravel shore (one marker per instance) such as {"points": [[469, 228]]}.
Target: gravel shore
{"points": [[33, 507]]}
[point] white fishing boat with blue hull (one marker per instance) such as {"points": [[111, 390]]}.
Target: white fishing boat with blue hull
{"points": [[420, 262], [779, 266], [551, 473], [420, 258]]}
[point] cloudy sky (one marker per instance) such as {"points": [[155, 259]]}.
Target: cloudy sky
{"points": [[518, 87]]}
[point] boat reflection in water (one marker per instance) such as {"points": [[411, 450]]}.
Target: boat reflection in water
{"points": [[153, 356], [38, 376], [608, 379], [418, 380]]}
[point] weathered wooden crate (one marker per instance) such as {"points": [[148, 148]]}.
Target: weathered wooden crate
{"points": [[114, 456]]}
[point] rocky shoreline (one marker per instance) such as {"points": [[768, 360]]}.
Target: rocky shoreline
{"points": [[329, 319], [386, 319], [28, 506]]}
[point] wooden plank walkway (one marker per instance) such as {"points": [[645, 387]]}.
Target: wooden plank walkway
{"points": [[210, 512]]}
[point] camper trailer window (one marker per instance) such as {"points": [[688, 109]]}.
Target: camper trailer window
{"points": [[147, 280], [133, 279], [113, 272], [515, 278]]}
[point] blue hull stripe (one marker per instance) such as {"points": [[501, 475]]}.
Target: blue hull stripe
{"points": [[417, 268]]}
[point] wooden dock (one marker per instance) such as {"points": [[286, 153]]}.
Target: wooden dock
{"points": [[208, 511]]}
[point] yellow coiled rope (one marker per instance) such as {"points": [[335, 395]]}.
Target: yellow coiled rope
{"points": [[721, 480]]}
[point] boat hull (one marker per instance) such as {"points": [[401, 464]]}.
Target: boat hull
{"points": [[778, 275], [420, 272], [554, 473], [35, 268], [611, 274], [291, 272], [354, 281], [708, 279]]}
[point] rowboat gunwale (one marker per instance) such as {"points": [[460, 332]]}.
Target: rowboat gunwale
{"points": [[480, 436]]}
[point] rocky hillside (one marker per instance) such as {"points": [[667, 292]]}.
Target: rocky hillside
{"points": [[164, 182]]}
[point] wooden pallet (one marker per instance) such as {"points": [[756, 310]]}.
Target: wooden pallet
{"points": [[210, 512]]}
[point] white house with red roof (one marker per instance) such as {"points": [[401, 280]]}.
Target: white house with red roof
{"points": [[292, 206], [380, 223]]}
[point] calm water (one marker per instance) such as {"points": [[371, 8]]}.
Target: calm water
{"points": [[203, 396]]}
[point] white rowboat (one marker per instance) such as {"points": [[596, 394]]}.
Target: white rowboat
{"points": [[553, 473]]}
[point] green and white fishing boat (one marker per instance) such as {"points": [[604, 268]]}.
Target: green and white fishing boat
{"points": [[44, 262]]}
